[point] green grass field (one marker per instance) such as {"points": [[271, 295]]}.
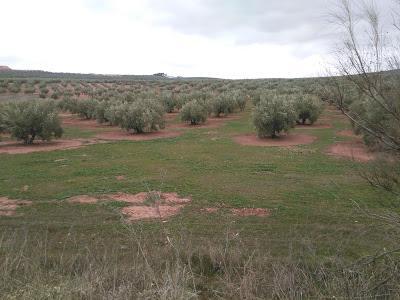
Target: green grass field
{"points": [[317, 201]]}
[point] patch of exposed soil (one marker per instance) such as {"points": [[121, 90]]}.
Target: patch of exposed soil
{"points": [[282, 141], [173, 198], [248, 212], [83, 199], [159, 205], [120, 177], [12, 147], [126, 136], [8, 207], [135, 213], [355, 150]]}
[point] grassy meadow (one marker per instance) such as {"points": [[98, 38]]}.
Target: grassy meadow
{"points": [[320, 221]]}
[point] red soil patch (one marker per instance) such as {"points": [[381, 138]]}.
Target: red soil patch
{"points": [[12, 147], [120, 177], [248, 212], [135, 213], [83, 199], [126, 136], [164, 205], [8, 207], [173, 198], [283, 141], [355, 150]]}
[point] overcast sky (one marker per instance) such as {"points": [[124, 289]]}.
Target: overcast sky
{"points": [[218, 38]]}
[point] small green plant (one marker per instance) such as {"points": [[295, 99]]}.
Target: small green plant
{"points": [[194, 113], [274, 115]]}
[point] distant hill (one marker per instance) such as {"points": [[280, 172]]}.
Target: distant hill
{"points": [[6, 72]]}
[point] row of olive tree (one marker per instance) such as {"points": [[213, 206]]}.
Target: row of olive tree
{"points": [[117, 110]]}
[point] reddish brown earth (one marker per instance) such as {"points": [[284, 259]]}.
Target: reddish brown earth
{"points": [[135, 213], [282, 141], [120, 177], [12, 147], [126, 136], [248, 212], [354, 150], [8, 207], [83, 199], [159, 206]]}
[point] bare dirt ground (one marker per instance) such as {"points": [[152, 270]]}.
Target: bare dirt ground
{"points": [[135, 213], [83, 199], [355, 150], [8, 207], [12, 147], [283, 141], [121, 135], [144, 205]]}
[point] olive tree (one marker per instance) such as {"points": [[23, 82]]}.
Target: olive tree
{"points": [[31, 119], [222, 104], [143, 115], [274, 115], [194, 112], [308, 107]]}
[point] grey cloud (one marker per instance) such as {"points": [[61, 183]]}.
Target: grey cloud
{"points": [[251, 21], [246, 21]]}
